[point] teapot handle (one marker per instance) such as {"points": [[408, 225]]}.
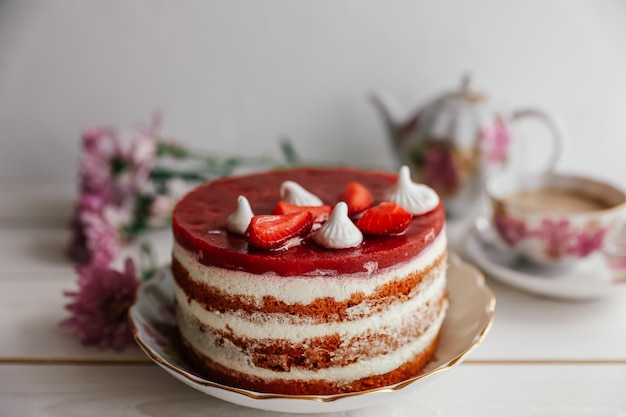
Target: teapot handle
{"points": [[555, 128]]}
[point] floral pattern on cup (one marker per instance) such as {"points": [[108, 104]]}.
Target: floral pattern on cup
{"points": [[511, 230], [559, 238]]}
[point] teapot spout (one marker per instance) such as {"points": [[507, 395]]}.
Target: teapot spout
{"points": [[391, 110]]}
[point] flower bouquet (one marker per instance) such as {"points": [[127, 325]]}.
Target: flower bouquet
{"points": [[128, 184]]}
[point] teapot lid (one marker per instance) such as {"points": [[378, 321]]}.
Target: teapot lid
{"points": [[456, 114], [465, 92]]}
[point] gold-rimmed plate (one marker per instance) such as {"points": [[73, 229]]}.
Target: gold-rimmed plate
{"points": [[467, 322]]}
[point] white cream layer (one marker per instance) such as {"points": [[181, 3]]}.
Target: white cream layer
{"points": [[305, 289], [230, 356], [278, 325]]}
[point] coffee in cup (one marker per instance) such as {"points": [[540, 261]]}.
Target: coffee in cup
{"points": [[554, 219]]}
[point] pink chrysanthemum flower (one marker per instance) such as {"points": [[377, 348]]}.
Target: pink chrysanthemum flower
{"points": [[114, 166], [97, 227], [162, 204], [98, 160], [113, 171], [100, 307], [134, 163]]}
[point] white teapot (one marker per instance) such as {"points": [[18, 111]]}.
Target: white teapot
{"points": [[451, 143]]}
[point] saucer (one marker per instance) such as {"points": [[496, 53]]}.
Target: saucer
{"points": [[588, 280], [467, 322]]}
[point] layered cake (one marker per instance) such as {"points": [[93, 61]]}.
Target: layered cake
{"points": [[310, 280]]}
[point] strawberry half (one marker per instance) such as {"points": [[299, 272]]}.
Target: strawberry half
{"points": [[320, 213], [269, 231], [357, 197], [384, 219]]}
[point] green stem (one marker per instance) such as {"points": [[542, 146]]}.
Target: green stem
{"points": [[148, 261], [164, 174]]}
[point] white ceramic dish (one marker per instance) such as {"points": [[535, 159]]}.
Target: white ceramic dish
{"points": [[588, 280], [467, 322]]}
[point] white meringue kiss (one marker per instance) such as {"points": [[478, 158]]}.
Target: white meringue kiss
{"points": [[338, 232], [414, 198], [294, 193], [239, 219]]}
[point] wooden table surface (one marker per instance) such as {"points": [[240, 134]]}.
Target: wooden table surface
{"points": [[542, 357]]}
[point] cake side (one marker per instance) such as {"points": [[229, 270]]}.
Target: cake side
{"points": [[306, 298], [364, 329], [313, 386]]}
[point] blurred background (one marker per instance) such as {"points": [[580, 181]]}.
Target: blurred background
{"points": [[234, 77]]}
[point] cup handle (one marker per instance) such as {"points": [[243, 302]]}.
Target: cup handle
{"points": [[555, 128]]}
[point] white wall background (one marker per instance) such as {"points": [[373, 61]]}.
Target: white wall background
{"points": [[234, 76]]}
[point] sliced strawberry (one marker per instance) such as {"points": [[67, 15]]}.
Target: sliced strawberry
{"points": [[384, 219], [357, 197], [269, 231], [320, 213]]}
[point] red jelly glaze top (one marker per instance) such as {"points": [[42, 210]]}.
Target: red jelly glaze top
{"points": [[199, 224]]}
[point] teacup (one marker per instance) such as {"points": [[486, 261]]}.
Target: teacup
{"points": [[554, 219]]}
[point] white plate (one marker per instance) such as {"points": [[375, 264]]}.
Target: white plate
{"points": [[588, 280], [467, 322]]}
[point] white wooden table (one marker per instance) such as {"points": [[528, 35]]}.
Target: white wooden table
{"points": [[542, 357]]}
